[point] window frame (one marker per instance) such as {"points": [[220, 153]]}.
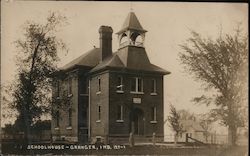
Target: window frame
{"points": [[57, 119], [70, 117], [137, 90], [99, 88], [119, 86], [121, 112], [98, 113], [154, 112], [154, 87]]}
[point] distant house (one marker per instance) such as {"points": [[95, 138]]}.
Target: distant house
{"points": [[192, 128]]}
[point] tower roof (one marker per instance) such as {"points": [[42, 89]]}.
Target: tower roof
{"points": [[131, 23]]}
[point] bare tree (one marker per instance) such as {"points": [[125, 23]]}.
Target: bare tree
{"points": [[174, 121], [36, 60], [222, 65]]}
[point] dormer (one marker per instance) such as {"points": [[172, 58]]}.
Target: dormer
{"points": [[131, 33]]}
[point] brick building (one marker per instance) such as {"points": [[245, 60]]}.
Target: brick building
{"points": [[104, 95]]}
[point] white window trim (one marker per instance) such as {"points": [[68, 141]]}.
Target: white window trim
{"points": [[154, 120], [120, 86], [99, 113], [119, 91], [70, 117], [121, 117], [153, 94], [57, 128], [155, 88], [99, 88], [69, 128], [136, 86], [119, 120], [133, 92]]}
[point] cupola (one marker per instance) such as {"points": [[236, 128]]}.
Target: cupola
{"points": [[131, 33]]}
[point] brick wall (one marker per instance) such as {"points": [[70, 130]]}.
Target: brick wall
{"points": [[126, 99], [64, 130], [99, 128]]}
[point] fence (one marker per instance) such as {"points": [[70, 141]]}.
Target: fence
{"points": [[218, 139]]}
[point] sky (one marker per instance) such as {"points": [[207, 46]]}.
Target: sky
{"points": [[168, 25]]}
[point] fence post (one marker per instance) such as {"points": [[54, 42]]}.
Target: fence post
{"points": [[212, 138], [215, 138], [153, 139], [186, 137]]}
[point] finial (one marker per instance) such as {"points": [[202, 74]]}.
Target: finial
{"points": [[131, 7]]}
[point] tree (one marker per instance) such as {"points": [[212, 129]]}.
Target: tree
{"points": [[174, 121], [36, 60], [221, 65]]}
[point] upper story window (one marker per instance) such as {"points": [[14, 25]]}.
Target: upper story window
{"points": [[70, 86], [119, 113], [153, 87], [137, 85], [119, 86], [99, 84]]}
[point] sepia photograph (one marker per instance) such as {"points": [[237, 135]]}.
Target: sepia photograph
{"points": [[124, 78]]}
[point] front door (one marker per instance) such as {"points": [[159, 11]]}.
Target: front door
{"points": [[136, 122]]}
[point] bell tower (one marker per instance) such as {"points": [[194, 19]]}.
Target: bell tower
{"points": [[131, 33]]}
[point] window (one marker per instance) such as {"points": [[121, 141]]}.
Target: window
{"points": [[57, 118], [137, 84], [99, 84], [120, 113], [99, 114], [70, 117], [119, 86], [153, 114], [153, 86], [69, 86], [57, 88]]}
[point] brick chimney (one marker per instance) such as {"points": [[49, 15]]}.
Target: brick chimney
{"points": [[105, 41]]}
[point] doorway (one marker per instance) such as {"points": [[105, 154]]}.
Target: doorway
{"points": [[137, 121]]}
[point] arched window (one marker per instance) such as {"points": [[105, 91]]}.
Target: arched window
{"points": [[136, 39], [124, 39]]}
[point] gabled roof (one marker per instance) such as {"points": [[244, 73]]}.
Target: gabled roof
{"points": [[132, 23], [88, 59]]}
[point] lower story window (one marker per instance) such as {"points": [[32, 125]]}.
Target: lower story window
{"points": [[70, 117], [99, 113], [153, 113], [57, 118], [119, 113]]}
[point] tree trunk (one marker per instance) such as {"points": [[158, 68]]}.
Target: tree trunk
{"points": [[232, 135], [175, 139]]}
